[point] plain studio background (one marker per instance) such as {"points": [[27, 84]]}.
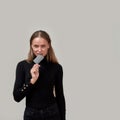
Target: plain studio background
{"points": [[86, 38]]}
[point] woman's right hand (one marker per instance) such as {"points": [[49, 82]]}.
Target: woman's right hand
{"points": [[34, 73]]}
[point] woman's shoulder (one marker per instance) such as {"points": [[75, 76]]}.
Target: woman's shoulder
{"points": [[23, 63], [57, 65]]}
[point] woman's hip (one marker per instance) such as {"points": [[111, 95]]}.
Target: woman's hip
{"points": [[49, 113]]}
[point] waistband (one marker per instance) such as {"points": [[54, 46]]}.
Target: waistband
{"points": [[47, 108]]}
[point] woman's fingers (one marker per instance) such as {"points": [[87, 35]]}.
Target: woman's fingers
{"points": [[35, 73], [35, 67]]}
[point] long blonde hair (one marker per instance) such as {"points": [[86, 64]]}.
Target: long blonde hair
{"points": [[50, 55]]}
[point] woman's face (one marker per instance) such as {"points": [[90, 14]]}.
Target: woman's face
{"points": [[40, 46]]}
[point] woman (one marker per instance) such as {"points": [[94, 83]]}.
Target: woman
{"points": [[42, 83]]}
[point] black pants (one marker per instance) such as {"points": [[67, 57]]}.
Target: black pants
{"points": [[49, 113]]}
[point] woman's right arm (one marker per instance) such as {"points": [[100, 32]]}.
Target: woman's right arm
{"points": [[21, 89]]}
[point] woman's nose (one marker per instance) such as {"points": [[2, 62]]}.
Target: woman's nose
{"points": [[39, 49]]}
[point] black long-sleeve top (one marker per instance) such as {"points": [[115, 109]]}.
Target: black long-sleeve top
{"points": [[40, 94]]}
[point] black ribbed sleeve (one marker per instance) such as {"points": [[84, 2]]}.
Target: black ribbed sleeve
{"points": [[22, 87], [59, 92]]}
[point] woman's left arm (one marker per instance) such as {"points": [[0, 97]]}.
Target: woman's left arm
{"points": [[59, 92]]}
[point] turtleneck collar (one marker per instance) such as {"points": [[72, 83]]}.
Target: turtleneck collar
{"points": [[44, 61]]}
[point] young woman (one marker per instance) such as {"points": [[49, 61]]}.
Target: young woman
{"points": [[42, 83]]}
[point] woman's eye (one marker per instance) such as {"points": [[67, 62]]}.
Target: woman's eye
{"points": [[43, 46], [36, 46]]}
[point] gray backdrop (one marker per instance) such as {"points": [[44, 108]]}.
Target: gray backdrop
{"points": [[86, 37]]}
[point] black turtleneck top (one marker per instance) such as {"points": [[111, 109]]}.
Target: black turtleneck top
{"points": [[40, 94]]}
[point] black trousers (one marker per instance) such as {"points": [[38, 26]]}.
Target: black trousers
{"points": [[49, 113]]}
